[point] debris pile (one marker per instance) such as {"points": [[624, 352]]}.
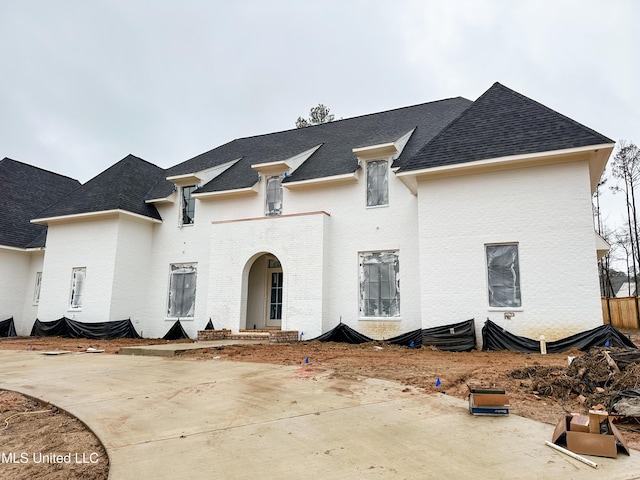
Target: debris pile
{"points": [[593, 378]]}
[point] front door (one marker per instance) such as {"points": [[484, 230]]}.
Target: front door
{"points": [[274, 311]]}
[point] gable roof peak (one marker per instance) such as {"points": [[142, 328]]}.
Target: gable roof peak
{"points": [[503, 123]]}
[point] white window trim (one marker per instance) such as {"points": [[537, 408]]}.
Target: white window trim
{"points": [[267, 212], [492, 308], [168, 316], [361, 316], [73, 290], [181, 208], [389, 161]]}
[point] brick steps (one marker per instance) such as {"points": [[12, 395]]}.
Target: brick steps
{"points": [[271, 336]]}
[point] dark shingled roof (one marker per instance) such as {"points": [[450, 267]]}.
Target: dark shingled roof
{"points": [[26, 190], [334, 157], [122, 186], [502, 123]]}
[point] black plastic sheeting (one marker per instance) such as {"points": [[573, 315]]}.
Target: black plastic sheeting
{"points": [[7, 328], [65, 327], [176, 332], [209, 326], [342, 333], [458, 337], [495, 337], [410, 339], [626, 399]]}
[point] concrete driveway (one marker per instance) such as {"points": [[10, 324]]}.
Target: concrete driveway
{"points": [[167, 418]]}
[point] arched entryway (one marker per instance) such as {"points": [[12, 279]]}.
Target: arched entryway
{"points": [[264, 294]]}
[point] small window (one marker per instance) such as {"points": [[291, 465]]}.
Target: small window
{"points": [[78, 276], [182, 291], [377, 183], [379, 284], [274, 196], [36, 291], [503, 272], [188, 205]]}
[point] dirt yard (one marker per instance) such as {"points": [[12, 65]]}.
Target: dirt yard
{"points": [[541, 387]]}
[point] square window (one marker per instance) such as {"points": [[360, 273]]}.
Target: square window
{"points": [[78, 277], [182, 290], [377, 183], [188, 205], [379, 284], [503, 272]]}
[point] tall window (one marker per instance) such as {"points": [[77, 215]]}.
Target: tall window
{"points": [[78, 276], [377, 183], [182, 290], [274, 196], [36, 291], [379, 284], [188, 205], [503, 275]]}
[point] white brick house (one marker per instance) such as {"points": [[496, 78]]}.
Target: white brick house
{"points": [[412, 218]]}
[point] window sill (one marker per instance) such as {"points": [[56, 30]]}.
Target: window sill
{"points": [[182, 225], [379, 319], [78, 309], [173, 319], [377, 206], [505, 309]]}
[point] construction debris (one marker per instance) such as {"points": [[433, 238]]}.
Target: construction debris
{"points": [[597, 376]]}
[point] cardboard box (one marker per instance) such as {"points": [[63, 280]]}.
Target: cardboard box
{"points": [[488, 401], [600, 445], [579, 423], [596, 417]]}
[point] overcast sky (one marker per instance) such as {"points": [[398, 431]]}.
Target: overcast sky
{"points": [[84, 83]]}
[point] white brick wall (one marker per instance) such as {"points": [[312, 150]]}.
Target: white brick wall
{"points": [[547, 211], [14, 282], [440, 235]]}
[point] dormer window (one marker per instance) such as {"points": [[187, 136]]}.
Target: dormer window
{"points": [[188, 204], [377, 183], [273, 205]]}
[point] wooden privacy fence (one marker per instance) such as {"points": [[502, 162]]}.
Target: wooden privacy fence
{"points": [[621, 312]]}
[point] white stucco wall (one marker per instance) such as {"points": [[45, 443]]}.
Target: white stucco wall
{"points": [[547, 211]]}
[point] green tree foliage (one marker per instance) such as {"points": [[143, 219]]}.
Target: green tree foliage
{"points": [[317, 115]]}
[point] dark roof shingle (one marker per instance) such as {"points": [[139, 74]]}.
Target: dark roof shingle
{"points": [[121, 187], [502, 123], [334, 157], [27, 190]]}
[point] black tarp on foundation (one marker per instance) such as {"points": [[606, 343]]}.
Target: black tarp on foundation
{"points": [[457, 337], [495, 337], [7, 328], [342, 333], [176, 332], [65, 327]]}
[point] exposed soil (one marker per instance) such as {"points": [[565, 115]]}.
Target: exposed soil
{"points": [[541, 387], [39, 441]]}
